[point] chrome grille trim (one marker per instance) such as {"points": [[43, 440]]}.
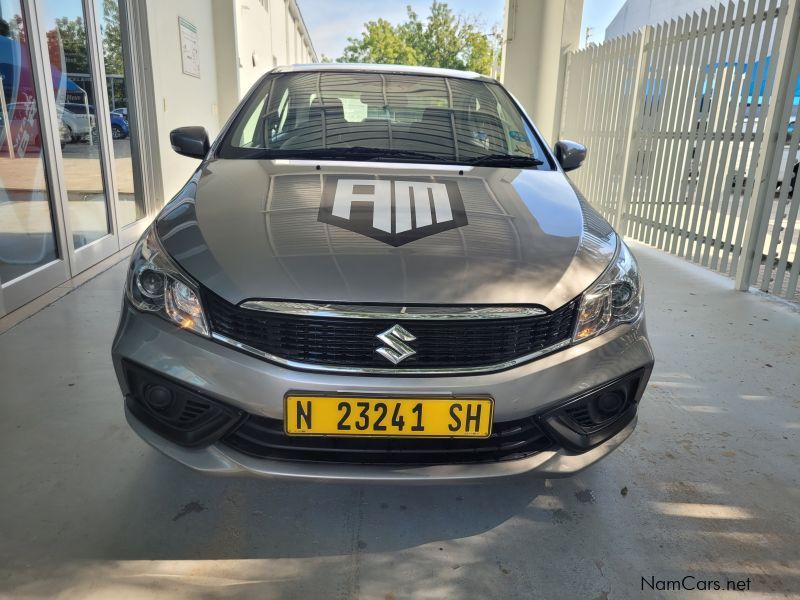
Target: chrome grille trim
{"points": [[382, 311], [390, 371]]}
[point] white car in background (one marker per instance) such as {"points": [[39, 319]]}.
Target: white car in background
{"points": [[80, 120], [78, 125]]}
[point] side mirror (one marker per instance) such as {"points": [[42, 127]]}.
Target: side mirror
{"points": [[570, 155], [190, 141]]}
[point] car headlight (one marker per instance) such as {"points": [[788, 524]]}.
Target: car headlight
{"points": [[615, 298], [155, 284]]}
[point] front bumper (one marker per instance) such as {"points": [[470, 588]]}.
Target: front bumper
{"points": [[257, 387]]}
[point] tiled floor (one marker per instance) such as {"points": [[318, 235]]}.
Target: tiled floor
{"points": [[708, 486]]}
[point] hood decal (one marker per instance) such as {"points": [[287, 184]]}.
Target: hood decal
{"points": [[392, 210], [254, 232]]}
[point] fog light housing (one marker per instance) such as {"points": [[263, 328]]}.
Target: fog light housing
{"points": [[596, 416], [158, 397], [610, 403], [176, 412]]}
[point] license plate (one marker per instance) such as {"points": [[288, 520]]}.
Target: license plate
{"points": [[388, 417]]}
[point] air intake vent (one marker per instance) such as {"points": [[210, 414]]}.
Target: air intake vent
{"points": [[176, 412], [262, 437]]}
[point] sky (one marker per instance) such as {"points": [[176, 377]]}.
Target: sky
{"points": [[597, 14], [331, 22]]}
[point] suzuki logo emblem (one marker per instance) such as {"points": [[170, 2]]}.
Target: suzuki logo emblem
{"points": [[396, 350], [393, 211]]}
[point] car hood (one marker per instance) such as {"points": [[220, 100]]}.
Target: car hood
{"points": [[302, 230]]}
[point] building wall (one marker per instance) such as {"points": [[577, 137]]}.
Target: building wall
{"points": [[239, 41], [181, 99], [537, 32], [253, 45], [635, 14]]}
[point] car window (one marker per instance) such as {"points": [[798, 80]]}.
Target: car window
{"points": [[447, 119], [248, 136]]}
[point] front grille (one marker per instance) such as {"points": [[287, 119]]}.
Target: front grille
{"points": [[351, 343], [263, 437]]}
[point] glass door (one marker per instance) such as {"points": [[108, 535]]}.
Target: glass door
{"points": [[32, 256], [78, 94], [71, 176], [131, 204]]}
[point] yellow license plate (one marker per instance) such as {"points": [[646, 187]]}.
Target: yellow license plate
{"points": [[388, 417]]}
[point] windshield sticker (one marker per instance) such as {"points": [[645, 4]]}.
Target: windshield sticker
{"points": [[394, 211], [516, 135], [524, 149]]}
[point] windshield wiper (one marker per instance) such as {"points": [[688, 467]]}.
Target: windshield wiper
{"points": [[367, 153], [395, 153], [364, 153], [503, 160]]}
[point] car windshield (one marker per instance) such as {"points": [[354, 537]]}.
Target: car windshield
{"points": [[78, 109], [383, 116]]}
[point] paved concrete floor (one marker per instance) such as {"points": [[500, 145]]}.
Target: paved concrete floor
{"points": [[708, 485]]}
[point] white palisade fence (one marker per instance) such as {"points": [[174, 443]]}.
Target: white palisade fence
{"points": [[691, 138]]}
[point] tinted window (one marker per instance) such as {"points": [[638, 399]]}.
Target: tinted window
{"points": [[439, 118]]}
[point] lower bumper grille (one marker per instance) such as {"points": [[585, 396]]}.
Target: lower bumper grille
{"points": [[262, 437]]}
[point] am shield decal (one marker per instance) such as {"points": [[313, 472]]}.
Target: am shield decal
{"points": [[393, 210]]}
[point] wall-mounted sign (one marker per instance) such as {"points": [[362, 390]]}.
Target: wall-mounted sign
{"points": [[190, 52]]}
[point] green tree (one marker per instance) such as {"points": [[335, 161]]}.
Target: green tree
{"points": [[381, 42], [112, 38], [69, 36], [442, 40], [16, 30]]}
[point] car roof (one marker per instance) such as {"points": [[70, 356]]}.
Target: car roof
{"points": [[371, 68]]}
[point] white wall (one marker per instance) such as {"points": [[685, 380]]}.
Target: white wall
{"points": [[253, 42], [181, 99], [261, 31], [635, 14], [226, 56], [239, 41], [536, 34]]}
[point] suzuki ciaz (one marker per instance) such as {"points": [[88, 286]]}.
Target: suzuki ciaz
{"points": [[381, 273]]}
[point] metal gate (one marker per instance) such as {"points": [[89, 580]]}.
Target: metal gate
{"points": [[692, 141]]}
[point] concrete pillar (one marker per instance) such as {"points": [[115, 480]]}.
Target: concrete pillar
{"points": [[536, 34]]}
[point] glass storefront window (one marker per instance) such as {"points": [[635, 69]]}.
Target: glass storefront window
{"points": [[27, 239], [131, 206], [68, 50]]}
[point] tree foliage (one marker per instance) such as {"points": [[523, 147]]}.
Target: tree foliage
{"points": [[112, 38], [70, 36], [444, 40]]}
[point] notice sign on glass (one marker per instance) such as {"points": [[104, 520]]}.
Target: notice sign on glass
{"points": [[190, 52]]}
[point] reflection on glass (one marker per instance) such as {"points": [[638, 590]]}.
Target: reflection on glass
{"points": [[26, 223], [131, 205], [72, 83]]}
